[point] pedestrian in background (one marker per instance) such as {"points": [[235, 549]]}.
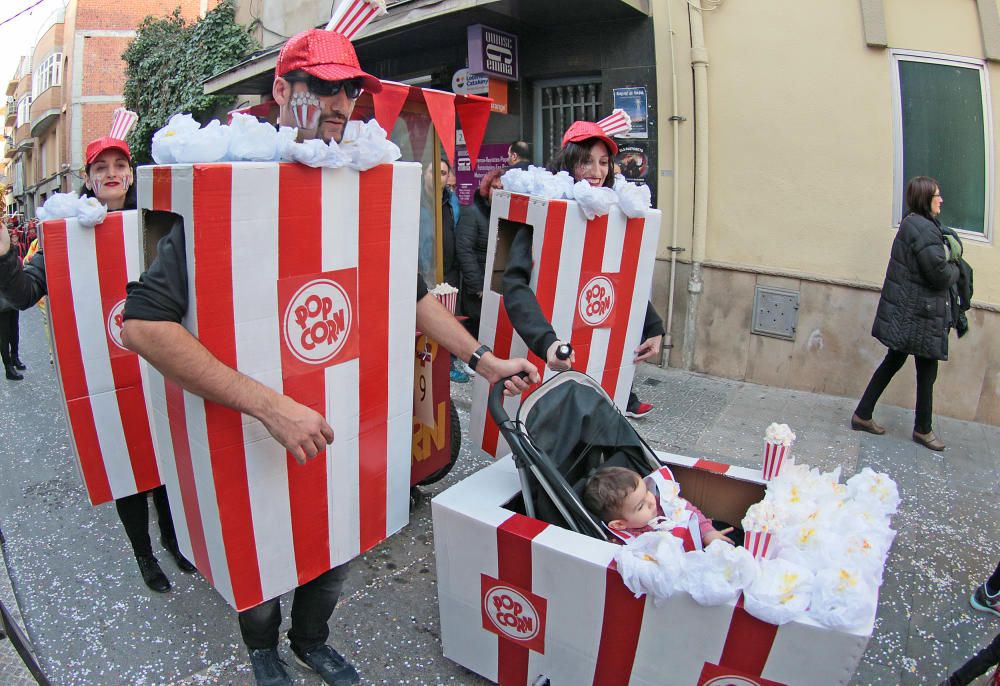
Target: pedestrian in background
{"points": [[917, 308], [472, 239], [519, 155]]}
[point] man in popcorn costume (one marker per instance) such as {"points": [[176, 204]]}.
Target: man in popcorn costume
{"points": [[317, 81]]}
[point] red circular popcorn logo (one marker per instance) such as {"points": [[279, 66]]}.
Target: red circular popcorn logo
{"points": [[115, 324], [597, 300], [317, 321], [730, 681], [511, 613]]}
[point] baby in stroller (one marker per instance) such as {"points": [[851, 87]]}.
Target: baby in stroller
{"points": [[631, 506]]}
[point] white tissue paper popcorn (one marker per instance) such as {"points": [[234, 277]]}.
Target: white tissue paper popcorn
{"points": [[719, 573], [779, 433], [59, 206], [632, 198], [652, 564], [90, 212], [595, 202], [205, 145], [256, 141], [876, 490], [177, 129], [842, 598], [781, 592], [366, 145], [314, 153]]}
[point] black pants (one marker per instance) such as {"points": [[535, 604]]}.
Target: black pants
{"points": [[133, 510], [312, 605], [10, 336], [978, 665], [893, 362]]}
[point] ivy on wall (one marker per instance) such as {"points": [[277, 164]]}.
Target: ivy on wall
{"points": [[167, 62]]}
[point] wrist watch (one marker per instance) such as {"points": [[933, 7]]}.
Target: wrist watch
{"points": [[478, 355]]}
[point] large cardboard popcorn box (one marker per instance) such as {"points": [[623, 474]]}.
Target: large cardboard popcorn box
{"points": [[521, 599], [86, 270], [592, 279], [303, 279]]}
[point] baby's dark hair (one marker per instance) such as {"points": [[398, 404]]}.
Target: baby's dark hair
{"points": [[607, 489]]}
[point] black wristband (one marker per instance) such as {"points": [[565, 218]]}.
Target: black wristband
{"points": [[478, 355]]}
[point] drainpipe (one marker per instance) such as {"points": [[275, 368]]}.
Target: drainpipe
{"points": [[699, 64], [675, 122]]}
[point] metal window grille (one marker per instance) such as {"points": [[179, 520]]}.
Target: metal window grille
{"points": [[557, 105]]}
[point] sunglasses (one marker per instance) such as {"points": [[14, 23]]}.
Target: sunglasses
{"points": [[352, 88]]}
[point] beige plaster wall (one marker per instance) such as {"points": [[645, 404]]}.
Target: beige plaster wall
{"points": [[833, 350], [801, 133]]}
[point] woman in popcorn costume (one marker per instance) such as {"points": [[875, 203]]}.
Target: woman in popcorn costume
{"points": [[108, 180], [587, 154]]}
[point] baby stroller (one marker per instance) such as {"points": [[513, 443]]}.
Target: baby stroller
{"points": [[564, 430]]}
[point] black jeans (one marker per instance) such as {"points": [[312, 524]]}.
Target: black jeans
{"points": [[312, 605], [978, 665], [133, 510], [10, 336], [893, 362]]}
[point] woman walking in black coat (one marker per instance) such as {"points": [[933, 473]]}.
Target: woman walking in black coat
{"points": [[916, 310], [471, 241]]}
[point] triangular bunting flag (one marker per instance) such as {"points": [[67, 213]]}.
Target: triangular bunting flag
{"points": [[389, 103], [441, 107], [474, 114]]}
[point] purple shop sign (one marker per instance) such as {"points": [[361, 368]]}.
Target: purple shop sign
{"points": [[491, 157], [492, 52]]}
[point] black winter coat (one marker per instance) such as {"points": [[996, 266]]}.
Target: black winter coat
{"points": [[22, 287], [915, 310], [471, 242]]}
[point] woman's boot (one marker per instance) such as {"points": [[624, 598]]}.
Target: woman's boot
{"points": [[12, 373]]}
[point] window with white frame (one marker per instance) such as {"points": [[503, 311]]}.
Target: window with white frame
{"points": [[23, 110], [944, 129], [47, 74]]}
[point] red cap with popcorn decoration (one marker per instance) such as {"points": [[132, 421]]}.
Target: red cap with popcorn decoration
{"points": [[326, 55], [123, 122], [617, 122]]}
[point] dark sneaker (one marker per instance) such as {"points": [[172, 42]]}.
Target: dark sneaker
{"points": [[12, 373], [182, 562], [152, 574], [638, 411], [984, 602], [329, 664], [268, 668], [18, 365]]}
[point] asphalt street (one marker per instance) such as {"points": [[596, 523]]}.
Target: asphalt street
{"points": [[77, 591]]}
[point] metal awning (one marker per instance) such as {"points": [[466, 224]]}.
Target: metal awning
{"points": [[424, 21]]}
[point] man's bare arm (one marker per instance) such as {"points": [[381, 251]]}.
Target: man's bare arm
{"points": [[438, 323], [182, 358]]}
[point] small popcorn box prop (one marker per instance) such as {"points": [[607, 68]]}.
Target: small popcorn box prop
{"points": [[592, 279], [102, 382], [447, 295], [303, 279], [758, 543], [520, 599], [774, 457]]}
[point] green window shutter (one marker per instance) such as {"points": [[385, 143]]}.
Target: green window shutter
{"points": [[944, 137]]}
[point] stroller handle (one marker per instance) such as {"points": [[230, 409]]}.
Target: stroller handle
{"points": [[495, 402], [564, 351]]}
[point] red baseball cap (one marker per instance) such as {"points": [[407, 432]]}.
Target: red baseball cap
{"points": [[327, 55], [96, 147], [582, 130]]}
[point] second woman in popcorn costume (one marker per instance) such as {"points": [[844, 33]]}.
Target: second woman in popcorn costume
{"points": [[108, 179]]}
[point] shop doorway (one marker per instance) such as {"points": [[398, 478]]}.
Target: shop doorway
{"points": [[558, 103]]}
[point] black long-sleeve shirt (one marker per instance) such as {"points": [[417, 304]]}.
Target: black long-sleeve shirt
{"points": [[23, 286], [522, 306]]}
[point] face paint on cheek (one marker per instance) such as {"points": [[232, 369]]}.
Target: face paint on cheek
{"points": [[96, 186], [305, 107]]}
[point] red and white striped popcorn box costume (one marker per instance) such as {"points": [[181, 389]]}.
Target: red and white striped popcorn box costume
{"points": [[520, 598], [592, 279], [86, 270], [303, 279]]}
